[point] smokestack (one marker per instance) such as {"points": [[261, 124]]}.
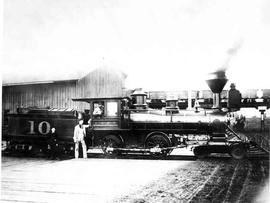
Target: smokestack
{"points": [[216, 81]]}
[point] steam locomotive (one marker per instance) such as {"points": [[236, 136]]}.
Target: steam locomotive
{"points": [[127, 125]]}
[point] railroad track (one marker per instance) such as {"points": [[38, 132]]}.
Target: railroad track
{"points": [[256, 151]]}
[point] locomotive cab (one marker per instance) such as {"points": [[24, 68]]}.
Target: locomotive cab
{"points": [[105, 113]]}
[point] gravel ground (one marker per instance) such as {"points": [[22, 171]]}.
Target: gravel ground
{"points": [[209, 180]]}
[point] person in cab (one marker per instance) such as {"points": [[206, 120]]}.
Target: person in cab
{"points": [[98, 110]]}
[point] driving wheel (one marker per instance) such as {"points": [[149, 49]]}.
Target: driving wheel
{"points": [[111, 141], [158, 141]]}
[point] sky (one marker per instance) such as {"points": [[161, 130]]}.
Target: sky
{"points": [[159, 44]]}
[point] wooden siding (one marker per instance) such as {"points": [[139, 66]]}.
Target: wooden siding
{"points": [[102, 82], [56, 95]]}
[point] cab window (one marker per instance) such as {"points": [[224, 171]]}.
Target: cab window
{"points": [[112, 108], [98, 109]]}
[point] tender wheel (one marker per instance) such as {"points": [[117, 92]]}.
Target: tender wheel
{"points": [[111, 141], [201, 152], [35, 150], [158, 140], [238, 152]]}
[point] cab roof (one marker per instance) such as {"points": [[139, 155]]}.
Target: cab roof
{"points": [[97, 99]]}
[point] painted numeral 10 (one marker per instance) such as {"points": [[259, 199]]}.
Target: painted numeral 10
{"points": [[41, 129]]}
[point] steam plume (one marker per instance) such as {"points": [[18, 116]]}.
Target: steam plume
{"points": [[231, 52]]}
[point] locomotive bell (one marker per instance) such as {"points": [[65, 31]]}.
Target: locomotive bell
{"points": [[216, 81], [139, 99]]}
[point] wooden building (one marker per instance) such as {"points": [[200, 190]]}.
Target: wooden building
{"points": [[102, 82]]}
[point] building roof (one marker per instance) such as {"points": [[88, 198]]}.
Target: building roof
{"points": [[39, 82], [53, 78]]}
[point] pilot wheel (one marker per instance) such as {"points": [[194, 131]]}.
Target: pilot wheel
{"points": [[238, 152], [201, 152], [155, 142]]}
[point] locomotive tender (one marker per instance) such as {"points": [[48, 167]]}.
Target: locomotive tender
{"points": [[29, 128]]}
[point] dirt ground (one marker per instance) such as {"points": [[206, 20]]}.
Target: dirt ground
{"points": [[209, 180], [215, 179], [96, 180]]}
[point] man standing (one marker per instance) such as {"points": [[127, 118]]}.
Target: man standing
{"points": [[234, 98], [52, 142], [79, 135]]}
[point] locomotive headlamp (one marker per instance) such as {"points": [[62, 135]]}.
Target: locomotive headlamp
{"points": [[139, 99], [259, 95]]}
